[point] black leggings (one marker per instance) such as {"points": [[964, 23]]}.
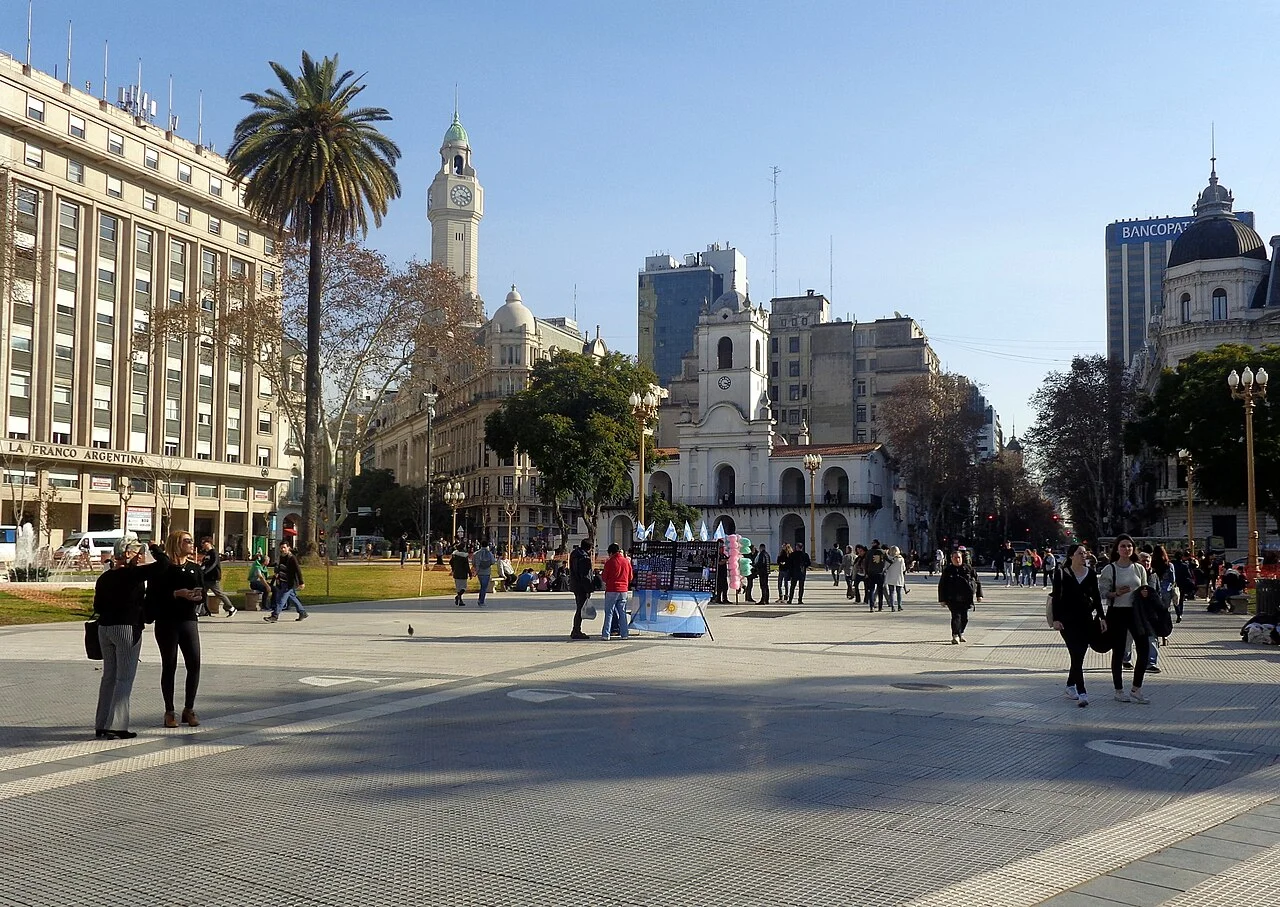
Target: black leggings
{"points": [[1120, 621], [1077, 646], [959, 619], [170, 637]]}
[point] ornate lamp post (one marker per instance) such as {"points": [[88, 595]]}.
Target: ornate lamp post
{"points": [[510, 505], [812, 462], [454, 497], [429, 401], [644, 407], [1245, 387], [1184, 457], [124, 487]]}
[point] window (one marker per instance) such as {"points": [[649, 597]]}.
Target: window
{"points": [[793, 392], [861, 414], [793, 368], [171, 450], [724, 353], [264, 422], [242, 236], [1219, 304], [75, 172], [206, 491], [35, 109], [35, 157], [115, 143], [773, 346], [773, 369], [793, 344], [861, 387], [151, 159], [268, 279], [184, 214], [75, 126], [269, 245], [215, 186], [114, 189], [793, 417], [215, 226], [1185, 304], [264, 456], [149, 201], [184, 173]]}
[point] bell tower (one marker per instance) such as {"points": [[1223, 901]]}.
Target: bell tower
{"points": [[455, 204], [733, 343]]}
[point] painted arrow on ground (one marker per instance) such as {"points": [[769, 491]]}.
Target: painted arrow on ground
{"points": [[336, 681], [1157, 753], [549, 695]]}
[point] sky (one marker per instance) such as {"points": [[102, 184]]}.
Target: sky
{"points": [[956, 162]]}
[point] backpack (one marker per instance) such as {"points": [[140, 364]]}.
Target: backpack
{"points": [[1036, 562]]}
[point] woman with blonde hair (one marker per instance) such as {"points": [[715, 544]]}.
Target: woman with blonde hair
{"points": [[895, 576], [172, 598]]}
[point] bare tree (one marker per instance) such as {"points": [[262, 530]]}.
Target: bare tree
{"points": [[159, 472]]}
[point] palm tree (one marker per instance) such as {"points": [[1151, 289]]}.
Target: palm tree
{"points": [[315, 166]]}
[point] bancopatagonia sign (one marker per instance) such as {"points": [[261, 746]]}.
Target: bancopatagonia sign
{"points": [[1157, 229]]}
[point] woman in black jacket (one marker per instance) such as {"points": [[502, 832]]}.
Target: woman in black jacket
{"points": [[958, 588], [1076, 603], [118, 599], [173, 598]]}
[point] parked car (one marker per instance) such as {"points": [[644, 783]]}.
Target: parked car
{"points": [[100, 542]]}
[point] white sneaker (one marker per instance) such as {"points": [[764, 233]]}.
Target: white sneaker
{"points": [[1071, 691], [1122, 696], [1136, 696], [955, 640], [1083, 700]]}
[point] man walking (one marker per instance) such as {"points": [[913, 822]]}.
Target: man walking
{"points": [[761, 564], [617, 580], [877, 560], [580, 584], [288, 581], [1048, 563], [482, 562], [211, 567], [460, 567], [797, 566], [403, 547]]}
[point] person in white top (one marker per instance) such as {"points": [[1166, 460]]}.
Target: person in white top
{"points": [[1117, 583], [895, 576]]}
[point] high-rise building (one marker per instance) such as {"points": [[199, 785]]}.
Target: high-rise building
{"points": [[1137, 252], [671, 297], [105, 219]]}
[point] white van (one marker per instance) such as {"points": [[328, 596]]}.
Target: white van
{"points": [[100, 542]]}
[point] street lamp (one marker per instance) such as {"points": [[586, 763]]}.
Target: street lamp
{"points": [[1184, 457], [454, 497], [812, 462], [429, 399], [124, 487], [510, 506], [1245, 387], [644, 407]]}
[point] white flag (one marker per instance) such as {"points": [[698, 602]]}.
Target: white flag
{"points": [[671, 532]]}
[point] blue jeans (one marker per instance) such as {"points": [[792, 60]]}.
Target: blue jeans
{"points": [[615, 614], [283, 597], [484, 579], [891, 593]]}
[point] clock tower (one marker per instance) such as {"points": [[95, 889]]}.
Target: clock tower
{"points": [[455, 204]]}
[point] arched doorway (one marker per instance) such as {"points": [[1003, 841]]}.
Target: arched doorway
{"points": [[726, 523], [726, 485], [835, 486], [791, 531], [660, 486], [791, 487], [835, 531], [622, 531]]}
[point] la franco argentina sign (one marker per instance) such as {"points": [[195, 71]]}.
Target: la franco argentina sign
{"points": [[68, 453]]}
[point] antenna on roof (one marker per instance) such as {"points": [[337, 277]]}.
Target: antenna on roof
{"points": [[575, 302], [29, 4], [776, 171], [1213, 150], [68, 80], [105, 48], [200, 119]]}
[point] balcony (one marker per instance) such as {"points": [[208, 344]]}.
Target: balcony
{"points": [[860, 501]]}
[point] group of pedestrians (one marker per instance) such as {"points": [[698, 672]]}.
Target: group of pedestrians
{"points": [[168, 592]]}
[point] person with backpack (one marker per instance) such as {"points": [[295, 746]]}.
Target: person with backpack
{"points": [[482, 565], [876, 561]]}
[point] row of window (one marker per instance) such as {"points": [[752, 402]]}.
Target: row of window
{"points": [[1218, 310]]}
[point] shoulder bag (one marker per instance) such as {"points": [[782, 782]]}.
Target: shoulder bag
{"points": [[92, 645]]}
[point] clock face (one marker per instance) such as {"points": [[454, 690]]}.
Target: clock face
{"points": [[725, 382], [460, 196]]}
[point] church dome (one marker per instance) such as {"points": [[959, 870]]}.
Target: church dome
{"points": [[456, 135], [514, 315], [1216, 232], [734, 300]]}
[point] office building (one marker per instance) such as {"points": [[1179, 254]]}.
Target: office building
{"points": [[671, 296], [106, 219]]}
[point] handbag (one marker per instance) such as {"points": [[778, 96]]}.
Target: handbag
{"points": [[588, 611], [1048, 610], [92, 645], [1099, 640]]}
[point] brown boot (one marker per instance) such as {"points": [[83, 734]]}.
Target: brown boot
{"points": [[170, 719], [189, 718]]}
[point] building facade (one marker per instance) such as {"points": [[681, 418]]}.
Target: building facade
{"points": [[670, 298], [106, 220]]}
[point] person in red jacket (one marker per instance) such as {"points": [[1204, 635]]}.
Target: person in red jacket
{"points": [[617, 580]]}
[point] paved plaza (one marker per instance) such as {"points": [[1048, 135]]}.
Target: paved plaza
{"points": [[808, 755]]}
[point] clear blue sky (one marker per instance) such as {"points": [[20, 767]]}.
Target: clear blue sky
{"points": [[962, 159]]}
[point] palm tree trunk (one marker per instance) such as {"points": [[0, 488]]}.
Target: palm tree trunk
{"points": [[312, 457]]}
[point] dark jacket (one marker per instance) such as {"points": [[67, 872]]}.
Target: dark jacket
{"points": [[288, 571], [580, 579], [875, 561], [1075, 603], [120, 594], [798, 563], [760, 563], [161, 604], [958, 587], [211, 564]]}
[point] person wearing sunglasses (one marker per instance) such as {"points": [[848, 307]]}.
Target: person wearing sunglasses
{"points": [[173, 598], [118, 598]]}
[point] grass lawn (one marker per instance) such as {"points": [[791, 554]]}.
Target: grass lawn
{"points": [[376, 581]]}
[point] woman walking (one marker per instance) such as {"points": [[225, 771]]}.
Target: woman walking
{"points": [[783, 574], [1165, 581], [1075, 604], [849, 565], [1117, 583], [173, 597], [118, 599], [958, 589], [895, 576]]}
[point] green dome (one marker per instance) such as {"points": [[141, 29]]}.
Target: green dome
{"points": [[456, 134]]}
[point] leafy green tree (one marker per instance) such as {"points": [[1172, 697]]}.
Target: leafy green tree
{"points": [[574, 421], [661, 512], [1191, 409], [1076, 442], [315, 165]]}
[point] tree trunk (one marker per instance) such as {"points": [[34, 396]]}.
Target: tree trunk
{"points": [[311, 443]]}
